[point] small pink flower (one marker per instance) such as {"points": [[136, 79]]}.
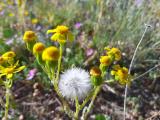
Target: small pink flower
{"points": [[78, 25], [89, 52], [31, 74]]}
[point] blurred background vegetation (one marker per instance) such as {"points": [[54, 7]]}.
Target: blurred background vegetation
{"points": [[95, 24]]}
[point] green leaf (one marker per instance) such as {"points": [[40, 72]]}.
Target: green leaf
{"points": [[102, 117]]}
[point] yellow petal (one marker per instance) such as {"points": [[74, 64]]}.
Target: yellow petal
{"points": [[57, 36], [20, 69], [51, 31]]}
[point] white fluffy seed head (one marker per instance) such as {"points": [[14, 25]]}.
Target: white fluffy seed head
{"points": [[75, 82]]}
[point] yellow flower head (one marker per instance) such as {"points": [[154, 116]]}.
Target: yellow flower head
{"points": [[50, 54], [38, 48], [115, 52], [9, 71], [59, 29], [121, 74], [61, 34], [105, 60], [62, 29], [95, 71], [9, 54], [29, 36]]}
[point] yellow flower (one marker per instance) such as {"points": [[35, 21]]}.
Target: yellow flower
{"points": [[29, 36], [115, 52], [59, 29], [50, 54], [9, 55], [105, 60], [121, 74], [9, 71], [95, 71], [61, 34], [34, 21], [38, 48], [58, 37]]}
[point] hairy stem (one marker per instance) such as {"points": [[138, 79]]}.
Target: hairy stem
{"points": [[130, 67], [64, 102], [59, 63], [86, 100], [66, 107], [97, 89], [77, 109], [7, 103]]}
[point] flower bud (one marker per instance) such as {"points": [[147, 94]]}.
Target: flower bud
{"points": [[29, 36], [38, 48], [95, 71], [9, 54], [96, 81], [50, 54]]}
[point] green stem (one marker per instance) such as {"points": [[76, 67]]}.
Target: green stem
{"points": [[65, 104], [66, 107], [59, 63], [7, 103], [97, 89], [86, 100], [77, 109], [55, 84]]}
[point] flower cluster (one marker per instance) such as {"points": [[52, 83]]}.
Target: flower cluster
{"points": [[42, 53], [48, 57], [121, 75], [111, 56], [7, 65]]}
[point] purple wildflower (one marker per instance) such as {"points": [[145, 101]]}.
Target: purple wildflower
{"points": [[89, 52], [78, 25], [31, 74]]}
